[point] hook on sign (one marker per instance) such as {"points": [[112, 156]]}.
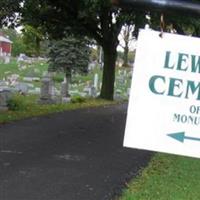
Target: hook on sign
{"points": [[162, 25]]}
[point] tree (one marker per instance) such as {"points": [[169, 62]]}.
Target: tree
{"points": [[127, 39], [97, 19], [32, 38], [69, 55], [9, 10], [9, 17], [188, 25]]}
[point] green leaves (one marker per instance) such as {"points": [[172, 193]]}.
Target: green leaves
{"points": [[69, 54], [8, 12], [32, 38]]}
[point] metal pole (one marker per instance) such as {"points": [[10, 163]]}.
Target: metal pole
{"points": [[183, 6]]}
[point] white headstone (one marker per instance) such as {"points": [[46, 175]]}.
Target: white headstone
{"points": [[6, 59], [96, 80]]}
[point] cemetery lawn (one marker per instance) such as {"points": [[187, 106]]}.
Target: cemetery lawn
{"points": [[27, 106], [25, 73], [167, 177]]}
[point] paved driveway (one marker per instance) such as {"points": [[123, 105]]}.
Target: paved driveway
{"points": [[74, 155]]}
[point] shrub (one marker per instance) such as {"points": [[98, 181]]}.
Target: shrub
{"points": [[58, 79], [15, 104], [78, 99]]}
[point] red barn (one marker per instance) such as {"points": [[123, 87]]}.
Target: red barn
{"points": [[5, 46]]}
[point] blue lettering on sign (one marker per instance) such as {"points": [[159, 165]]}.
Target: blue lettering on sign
{"points": [[175, 87]]}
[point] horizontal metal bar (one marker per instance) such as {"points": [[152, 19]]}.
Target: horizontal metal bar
{"points": [[191, 6]]}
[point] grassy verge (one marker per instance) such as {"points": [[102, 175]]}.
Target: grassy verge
{"points": [[167, 177], [27, 107]]}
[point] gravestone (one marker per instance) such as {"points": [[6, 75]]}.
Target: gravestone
{"points": [[22, 67], [65, 96], [28, 79], [30, 85], [90, 91], [91, 66], [118, 94], [36, 79], [13, 78], [96, 80], [6, 60], [35, 91], [3, 84], [5, 95], [64, 89], [46, 90], [121, 79], [22, 88], [100, 85], [74, 92], [22, 57], [93, 91]]}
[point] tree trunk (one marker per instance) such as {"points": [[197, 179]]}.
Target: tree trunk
{"points": [[37, 47], [125, 56], [127, 39], [110, 56], [196, 31], [67, 83]]}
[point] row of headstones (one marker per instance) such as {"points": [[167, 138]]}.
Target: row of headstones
{"points": [[48, 94], [48, 90], [46, 97]]}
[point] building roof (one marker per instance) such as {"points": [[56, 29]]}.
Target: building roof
{"points": [[4, 39]]}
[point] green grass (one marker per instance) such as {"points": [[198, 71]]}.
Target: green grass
{"points": [[13, 68], [167, 177], [28, 107], [79, 81]]}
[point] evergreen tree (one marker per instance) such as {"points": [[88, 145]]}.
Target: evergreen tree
{"points": [[69, 55]]}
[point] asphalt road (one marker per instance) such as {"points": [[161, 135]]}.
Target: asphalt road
{"points": [[74, 155]]}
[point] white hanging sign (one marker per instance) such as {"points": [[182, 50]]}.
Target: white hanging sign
{"points": [[164, 105]]}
